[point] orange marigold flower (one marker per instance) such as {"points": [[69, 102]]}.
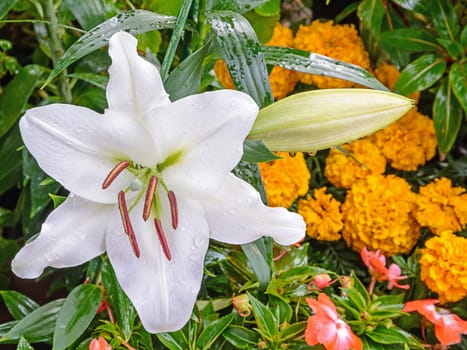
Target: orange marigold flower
{"points": [[285, 179], [378, 214], [343, 170], [322, 215], [408, 143], [282, 80], [442, 207], [443, 268], [340, 41]]}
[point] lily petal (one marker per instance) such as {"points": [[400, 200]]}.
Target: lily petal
{"points": [[72, 234], [162, 291], [135, 85], [79, 147], [236, 215], [207, 132]]}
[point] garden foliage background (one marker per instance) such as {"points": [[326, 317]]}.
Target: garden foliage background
{"points": [[401, 190]]}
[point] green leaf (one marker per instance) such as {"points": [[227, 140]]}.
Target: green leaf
{"points": [[258, 262], [444, 18], [293, 330], [269, 8], [5, 7], [241, 337], [280, 308], [312, 63], [250, 173], [263, 25], [420, 74], [94, 79], [76, 314], [412, 5], [393, 335], [256, 151], [24, 345], [5, 327], [134, 22], [264, 318], [464, 37], [447, 117], [37, 326], [411, 39], [210, 334], [18, 305], [239, 6], [454, 49], [15, 96], [122, 308], [185, 79], [39, 192], [371, 13], [89, 13], [171, 8], [242, 52], [173, 340], [458, 79], [175, 38], [10, 165]]}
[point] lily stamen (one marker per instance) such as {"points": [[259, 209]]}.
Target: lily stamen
{"points": [[127, 227], [114, 173], [150, 193], [173, 209], [162, 239]]}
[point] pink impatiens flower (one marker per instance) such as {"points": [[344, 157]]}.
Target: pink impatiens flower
{"points": [[376, 263], [448, 326], [327, 328], [99, 344]]}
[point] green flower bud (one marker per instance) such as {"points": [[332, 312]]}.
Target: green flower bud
{"points": [[319, 119]]}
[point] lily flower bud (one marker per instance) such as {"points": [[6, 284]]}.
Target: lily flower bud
{"points": [[319, 119]]}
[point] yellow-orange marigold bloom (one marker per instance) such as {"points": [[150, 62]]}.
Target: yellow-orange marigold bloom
{"points": [[342, 170], [322, 215], [282, 80], [443, 267], [388, 74], [409, 142], [285, 179], [442, 207], [378, 214], [340, 41]]}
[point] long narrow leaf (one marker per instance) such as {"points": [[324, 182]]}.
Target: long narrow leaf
{"points": [[175, 38], [37, 326], [210, 334], [258, 262], [15, 96], [134, 22], [239, 6], [420, 74], [458, 78], [89, 13], [445, 19], [77, 312], [308, 62], [18, 305], [411, 39], [447, 117], [185, 79], [5, 6], [242, 52]]}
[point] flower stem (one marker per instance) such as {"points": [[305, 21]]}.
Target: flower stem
{"points": [[56, 48]]}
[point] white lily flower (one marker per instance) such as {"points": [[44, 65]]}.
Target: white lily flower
{"points": [[150, 184]]}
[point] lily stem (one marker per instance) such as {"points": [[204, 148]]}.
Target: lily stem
{"points": [[56, 48]]}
